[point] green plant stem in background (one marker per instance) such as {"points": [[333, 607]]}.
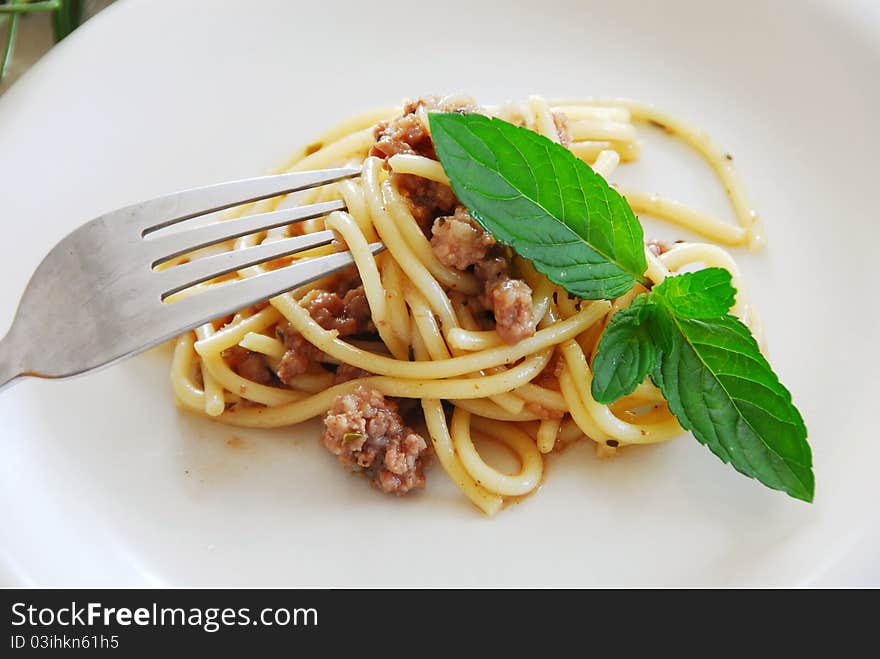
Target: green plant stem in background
{"points": [[10, 38], [16, 7], [66, 17]]}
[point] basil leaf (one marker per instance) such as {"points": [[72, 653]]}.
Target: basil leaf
{"points": [[627, 352], [535, 196], [721, 388], [702, 294]]}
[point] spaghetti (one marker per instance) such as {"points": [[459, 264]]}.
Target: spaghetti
{"points": [[424, 321]]}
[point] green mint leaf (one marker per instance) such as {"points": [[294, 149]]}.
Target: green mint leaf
{"points": [[535, 196], [702, 294], [538, 198], [627, 352], [713, 376], [721, 388]]}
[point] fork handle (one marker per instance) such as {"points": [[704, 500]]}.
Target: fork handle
{"points": [[10, 362]]}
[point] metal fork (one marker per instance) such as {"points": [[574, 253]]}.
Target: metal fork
{"points": [[98, 298]]}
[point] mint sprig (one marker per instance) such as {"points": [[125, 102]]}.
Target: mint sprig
{"points": [[552, 209], [704, 294], [627, 353], [537, 197], [712, 375]]}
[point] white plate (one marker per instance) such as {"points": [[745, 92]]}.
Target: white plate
{"points": [[104, 482]]}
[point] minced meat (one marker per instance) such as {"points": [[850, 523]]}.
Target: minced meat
{"points": [[406, 134], [511, 303], [426, 199], [299, 354], [347, 314], [248, 364], [458, 241], [347, 372], [344, 309], [510, 300], [366, 433], [403, 135]]}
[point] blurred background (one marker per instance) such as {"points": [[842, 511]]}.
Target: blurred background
{"points": [[29, 28]]}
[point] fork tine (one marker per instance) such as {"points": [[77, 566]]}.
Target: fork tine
{"points": [[183, 276], [195, 310], [180, 206], [165, 248]]}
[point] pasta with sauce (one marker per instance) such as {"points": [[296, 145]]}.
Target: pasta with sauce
{"points": [[489, 348]]}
